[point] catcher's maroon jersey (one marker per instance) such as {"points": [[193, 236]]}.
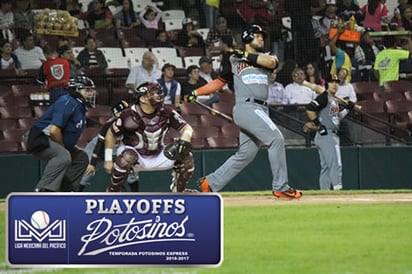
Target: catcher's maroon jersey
{"points": [[145, 132]]}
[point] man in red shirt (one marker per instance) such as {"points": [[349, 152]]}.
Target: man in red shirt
{"points": [[54, 74]]}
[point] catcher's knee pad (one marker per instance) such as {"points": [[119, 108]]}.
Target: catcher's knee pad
{"points": [[182, 172], [121, 169]]}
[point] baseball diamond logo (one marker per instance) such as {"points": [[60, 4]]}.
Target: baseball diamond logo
{"points": [[57, 71], [40, 228]]}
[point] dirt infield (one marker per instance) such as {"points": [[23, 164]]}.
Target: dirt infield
{"points": [[267, 200], [249, 200]]}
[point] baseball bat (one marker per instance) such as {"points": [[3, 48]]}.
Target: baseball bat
{"points": [[214, 111], [319, 89]]}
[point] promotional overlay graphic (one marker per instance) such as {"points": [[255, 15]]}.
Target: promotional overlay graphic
{"points": [[92, 230]]}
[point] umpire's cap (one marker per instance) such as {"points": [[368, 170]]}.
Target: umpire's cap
{"points": [[248, 34]]}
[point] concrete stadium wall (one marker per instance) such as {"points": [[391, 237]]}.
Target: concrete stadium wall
{"points": [[363, 168]]}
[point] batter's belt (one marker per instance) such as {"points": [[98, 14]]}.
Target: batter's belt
{"points": [[257, 101]]}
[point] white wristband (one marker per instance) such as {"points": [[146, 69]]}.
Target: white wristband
{"points": [[108, 154]]}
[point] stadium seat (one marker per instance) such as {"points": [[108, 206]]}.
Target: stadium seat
{"points": [[12, 112], [205, 132], [222, 142], [139, 5], [105, 37], [230, 130], [115, 58], [398, 111], [39, 110], [129, 39], [212, 120], [9, 146], [224, 107], [8, 124], [135, 55], [88, 134], [15, 135], [173, 24], [175, 60], [189, 51], [26, 123], [99, 110], [384, 96], [199, 143], [191, 60], [204, 32], [11, 100], [408, 95], [377, 113], [173, 14], [192, 108], [162, 52], [365, 89], [397, 86], [192, 119], [25, 90]]}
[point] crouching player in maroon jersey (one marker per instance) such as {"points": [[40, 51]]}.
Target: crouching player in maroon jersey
{"points": [[142, 129]]}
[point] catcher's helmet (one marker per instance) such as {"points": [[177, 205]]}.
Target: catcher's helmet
{"points": [[82, 82], [248, 34], [153, 90], [119, 107]]}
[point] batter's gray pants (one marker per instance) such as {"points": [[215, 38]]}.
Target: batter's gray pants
{"points": [[63, 169], [256, 128], [330, 160]]}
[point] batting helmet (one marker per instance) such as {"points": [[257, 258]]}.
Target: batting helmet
{"points": [[248, 34]]}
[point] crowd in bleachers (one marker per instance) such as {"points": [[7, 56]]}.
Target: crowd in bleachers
{"points": [[115, 37]]}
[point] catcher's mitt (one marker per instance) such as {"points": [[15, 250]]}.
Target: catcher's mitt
{"points": [[309, 126], [177, 150]]}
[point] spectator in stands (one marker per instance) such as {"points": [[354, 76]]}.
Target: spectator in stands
{"points": [[127, 18], [345, 89], [170, 86], [6, 15], [188, 36], [313, 74], [216, 37], [53, 138], [347, 8], [66, 52], [210, 12], [276, 91], [54, 74], [100, 17], [29, 55], [72, 6], [365, 55], [284, 75], [375, 13], [206, 70], [342, 58], [304, 42], [162, 40], [151, 16], [386, 67], [194, 82], [8, 60], [23, 15], [296, 93], [406, 18], [146, 72], [90, 57]]}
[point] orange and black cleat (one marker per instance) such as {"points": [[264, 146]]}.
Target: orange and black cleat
{"points": [[288, 194], [204, 185]]}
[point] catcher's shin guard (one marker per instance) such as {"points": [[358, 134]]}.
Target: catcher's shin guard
{"points": [[121, 169], [182, 172]]}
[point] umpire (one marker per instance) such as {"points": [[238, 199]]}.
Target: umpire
{"points": [[53, 138], [325, 114]]}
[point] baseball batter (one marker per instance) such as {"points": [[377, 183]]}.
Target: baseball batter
{"points": [[325, 113], [249, 70]]}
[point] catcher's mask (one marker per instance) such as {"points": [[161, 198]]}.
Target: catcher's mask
{"points": [[119, 107], [249, 32], [85, 87], [153, 91]]}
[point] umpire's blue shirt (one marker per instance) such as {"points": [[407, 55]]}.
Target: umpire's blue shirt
{"points": [[69, 114]]}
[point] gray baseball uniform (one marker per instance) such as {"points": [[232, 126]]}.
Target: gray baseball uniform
{"points": [[250, 114], [330, 114]]}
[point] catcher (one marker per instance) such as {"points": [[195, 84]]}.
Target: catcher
{"points": [[142, 129]]}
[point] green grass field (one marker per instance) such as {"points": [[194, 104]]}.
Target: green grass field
{"points": [[299, 238]]}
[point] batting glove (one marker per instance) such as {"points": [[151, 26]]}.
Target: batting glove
{"points": [[191, 97], [240, 53], [350, 105]]}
